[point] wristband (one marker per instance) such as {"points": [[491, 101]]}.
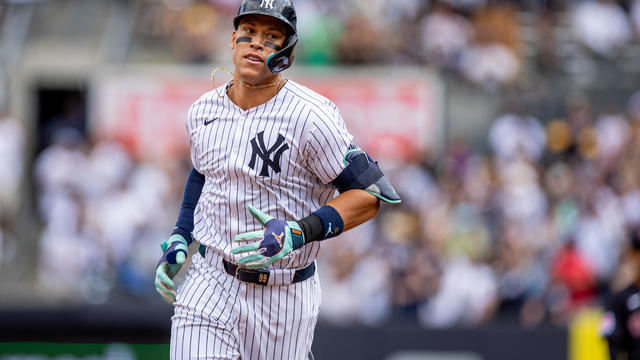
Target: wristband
{"points": [[323, 223]]}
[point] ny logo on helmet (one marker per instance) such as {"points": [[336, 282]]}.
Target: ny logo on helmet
{"points": [[267, 3]]}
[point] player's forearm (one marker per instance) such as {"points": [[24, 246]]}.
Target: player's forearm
{"points": [[355, 207], [346, 211], [362, 186]]}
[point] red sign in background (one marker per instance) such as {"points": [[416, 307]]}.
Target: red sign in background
{"points": [[392, 118]]}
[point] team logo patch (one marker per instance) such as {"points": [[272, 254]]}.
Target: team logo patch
{"points": [[260, 151], [267, 4], [278, 238], [607, 324], [331, 231]]}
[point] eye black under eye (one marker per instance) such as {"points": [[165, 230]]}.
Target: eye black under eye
{"points": [[272, 45]]}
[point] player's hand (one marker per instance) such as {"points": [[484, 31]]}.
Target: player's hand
{"points": [[267, 246], [174, 254]]}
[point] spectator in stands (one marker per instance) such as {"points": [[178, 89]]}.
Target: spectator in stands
{"points": [[574, 282], [445, 35], [362, 42], [12, 160], [613, 132], [108, 163], [499, 21], [517, 135], [67, 252], [96, 200], [403, 11], [629, 179], [520, 272], [319, 30], [560, 184], [602, 26], [599, 231], [57, 169], [633, 106], [635, 16], [192, 37], [520, 195], [347, 298], [489, 63], [467, 6], [467, 295]]}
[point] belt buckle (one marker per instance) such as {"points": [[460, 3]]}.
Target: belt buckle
{"points": [[237, 276]]}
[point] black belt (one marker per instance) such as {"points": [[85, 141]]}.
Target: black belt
{"points": [[260, 277]]}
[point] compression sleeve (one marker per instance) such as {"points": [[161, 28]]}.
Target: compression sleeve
{"points": [[192, 191]]}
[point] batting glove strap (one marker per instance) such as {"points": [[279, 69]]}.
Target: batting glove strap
{"points": [[184, 233], [171, 247], [296, 234]]}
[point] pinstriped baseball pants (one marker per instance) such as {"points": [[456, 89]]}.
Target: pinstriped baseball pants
{"points": [[219, 317]]}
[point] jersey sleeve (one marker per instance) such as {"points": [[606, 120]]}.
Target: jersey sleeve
{"points": [[192, 127], [327, 142]]}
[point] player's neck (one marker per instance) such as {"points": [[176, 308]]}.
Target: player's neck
{"points": [[247, 96]]}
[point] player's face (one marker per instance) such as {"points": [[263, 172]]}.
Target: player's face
{"points": [[257, 37]]}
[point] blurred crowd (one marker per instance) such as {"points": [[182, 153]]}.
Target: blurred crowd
{"points": [[483, 41], [534, 225], [532, 230], [530, 227], [12, 161], [103, 214]]}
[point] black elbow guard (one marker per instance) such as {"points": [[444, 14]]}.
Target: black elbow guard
{"points": [[361, 172]]}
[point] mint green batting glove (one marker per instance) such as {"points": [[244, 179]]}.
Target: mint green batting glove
{"points": [[278, 239], [174, 255]]}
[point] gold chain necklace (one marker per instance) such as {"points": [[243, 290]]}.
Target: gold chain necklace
{"points": [[261, 86], [245, 84]]}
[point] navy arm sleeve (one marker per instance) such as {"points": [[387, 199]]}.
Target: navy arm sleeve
{"points": [[192, 191]]}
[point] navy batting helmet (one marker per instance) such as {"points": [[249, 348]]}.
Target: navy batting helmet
{"points": [[282, 10]]}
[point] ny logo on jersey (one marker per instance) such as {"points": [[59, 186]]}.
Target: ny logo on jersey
{"points": [[261, 151], [267, 3]]}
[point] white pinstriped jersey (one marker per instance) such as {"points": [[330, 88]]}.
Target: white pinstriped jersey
{"points": [[279, 157]]}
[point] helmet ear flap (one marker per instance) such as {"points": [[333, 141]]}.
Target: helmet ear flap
{"points": [[283, 58]]}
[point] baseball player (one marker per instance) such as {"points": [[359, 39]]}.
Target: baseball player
{"points": [[268, 155], [620, 324]]}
